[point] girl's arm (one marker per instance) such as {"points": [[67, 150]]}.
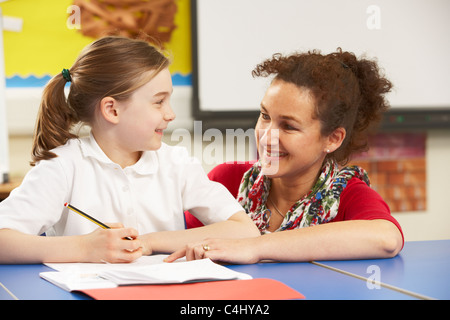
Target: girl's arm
{"points": [[356, 239], [239, 225], [99, 246]]}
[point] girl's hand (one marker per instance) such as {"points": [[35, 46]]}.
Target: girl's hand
{"points": [[112, 245]]}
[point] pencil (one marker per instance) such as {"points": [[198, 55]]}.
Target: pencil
{"points": [[85, 215], [68, 205]]}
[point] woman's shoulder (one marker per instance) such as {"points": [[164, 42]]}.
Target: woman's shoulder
{"points": [[231, 167], [360, 201], [230, 174], [358, 189]]}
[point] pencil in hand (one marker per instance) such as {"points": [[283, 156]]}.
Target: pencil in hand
{"points": [[85, 215]]}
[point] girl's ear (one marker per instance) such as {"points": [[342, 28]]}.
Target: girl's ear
{"points": [[109, 109], [335, 139]]}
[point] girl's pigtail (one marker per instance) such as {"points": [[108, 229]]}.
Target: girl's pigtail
{"points": [[54, 121]]}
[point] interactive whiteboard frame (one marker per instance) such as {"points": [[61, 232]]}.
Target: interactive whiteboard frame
{"points": [[409, 38]]}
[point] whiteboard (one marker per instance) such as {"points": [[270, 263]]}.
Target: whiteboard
{"points": [[409, 38]]}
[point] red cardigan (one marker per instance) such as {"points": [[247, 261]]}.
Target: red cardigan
{"points": [[358, 201]]}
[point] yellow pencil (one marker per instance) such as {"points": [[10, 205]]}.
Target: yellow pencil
{"points": [[68, 205], [85, 215]]}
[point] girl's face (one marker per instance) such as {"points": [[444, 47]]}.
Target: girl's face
{"points": [[289, 141], [146, 114]]}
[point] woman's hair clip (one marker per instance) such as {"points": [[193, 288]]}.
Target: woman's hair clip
{"points": [[66, 75], [344, 65]]}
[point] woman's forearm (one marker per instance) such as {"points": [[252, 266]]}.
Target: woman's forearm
{"points": [[358, 239], [333, 241]]}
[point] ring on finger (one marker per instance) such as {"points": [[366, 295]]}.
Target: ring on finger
{"points": [[206, 247]]}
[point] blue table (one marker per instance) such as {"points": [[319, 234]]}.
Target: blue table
{"points": [[422, 268], [318, 283], [24, 283], [418, 272]]}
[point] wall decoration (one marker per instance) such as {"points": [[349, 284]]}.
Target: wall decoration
{"points": [[55, 31], [396, 164], [128, 18]]}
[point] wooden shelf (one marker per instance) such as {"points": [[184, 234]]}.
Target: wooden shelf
{"points": [[6, 188]]}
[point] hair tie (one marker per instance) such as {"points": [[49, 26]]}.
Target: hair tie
{"points": [[66, 75]]}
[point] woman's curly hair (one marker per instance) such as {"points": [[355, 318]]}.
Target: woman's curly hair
{"points": [[348, 92]]}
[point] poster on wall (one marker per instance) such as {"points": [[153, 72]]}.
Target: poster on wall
{"points": [[55, 31], [396, 164]]}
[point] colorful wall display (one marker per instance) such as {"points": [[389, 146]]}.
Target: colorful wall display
{"points": [[54, 32]]}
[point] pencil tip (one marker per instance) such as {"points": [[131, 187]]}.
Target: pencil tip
{"points": [[65, 204]]}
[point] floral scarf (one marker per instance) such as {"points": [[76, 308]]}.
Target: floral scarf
{"points": [[319, 206]]}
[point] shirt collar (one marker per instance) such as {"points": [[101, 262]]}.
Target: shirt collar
{"points": [[147, 164]]}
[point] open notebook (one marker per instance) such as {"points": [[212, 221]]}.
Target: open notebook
{"points": [[145, 270]]}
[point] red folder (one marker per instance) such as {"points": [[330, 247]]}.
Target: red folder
{"points": [[253, 289]]}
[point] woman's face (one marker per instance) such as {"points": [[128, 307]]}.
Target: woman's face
{"points": [[289, 141]]}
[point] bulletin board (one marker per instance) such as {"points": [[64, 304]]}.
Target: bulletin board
{"points": [[55, 31], [4, 145]]}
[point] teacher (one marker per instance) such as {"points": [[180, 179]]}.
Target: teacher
{"points": [[316, 114]]}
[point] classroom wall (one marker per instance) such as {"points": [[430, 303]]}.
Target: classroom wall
{"points": [[22, 106], [430, 224], [434, 223]]}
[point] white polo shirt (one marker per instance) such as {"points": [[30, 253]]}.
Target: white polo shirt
{"points": [[150, 196]]}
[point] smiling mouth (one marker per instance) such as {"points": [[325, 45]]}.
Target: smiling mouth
{"points": [[159, 131], [274, 154], [271, 160]]}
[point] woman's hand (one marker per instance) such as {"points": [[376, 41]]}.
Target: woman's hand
{"points": [[237, 251], [115, 245]]}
